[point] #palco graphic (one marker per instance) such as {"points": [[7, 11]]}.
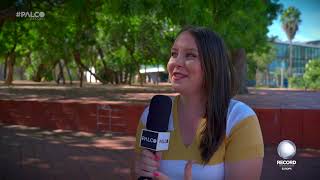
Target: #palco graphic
{"points": [[286, 150]]}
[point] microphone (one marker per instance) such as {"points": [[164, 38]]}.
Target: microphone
{"points": [[155, 137]]}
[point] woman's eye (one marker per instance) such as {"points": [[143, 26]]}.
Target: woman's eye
{"points": [[174, 54], [191, 55]]}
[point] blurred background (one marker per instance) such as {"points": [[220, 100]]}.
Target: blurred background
{"points": [[272, 43]]}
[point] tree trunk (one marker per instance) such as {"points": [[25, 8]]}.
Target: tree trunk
{"points": [[267, 77], [108, 72], [77, 59], [290, 60], [55, 73], [68, 71], [81, 76], [158, 75], [282, 77], [5, 66], [140, 76], [121, 76], [61, 74], [240, 65], [38, 75], [10, 65], [257, 77], [126, 73], [116, 77], [130, 78]]}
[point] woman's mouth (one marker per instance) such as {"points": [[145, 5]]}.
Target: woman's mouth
{"points": [[178, 76]]}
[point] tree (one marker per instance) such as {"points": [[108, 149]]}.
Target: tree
{"points": [[10, 32], [290, 20], [25, 41], [132, 35], [311, 76], [118, 36], [242, 23], [10, 38], [259, 61]]}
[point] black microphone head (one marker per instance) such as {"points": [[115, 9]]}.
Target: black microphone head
{"points": [[159, 113]]}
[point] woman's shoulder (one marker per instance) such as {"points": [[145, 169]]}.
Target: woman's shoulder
{"points": [[244, 137], [239, 106], [237, 112]]}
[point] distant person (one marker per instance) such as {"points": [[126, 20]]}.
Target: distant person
{"points": [[212, 135]]}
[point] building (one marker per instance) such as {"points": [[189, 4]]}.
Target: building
{"points": [[314, 42], [301, 54], [154, 74]]}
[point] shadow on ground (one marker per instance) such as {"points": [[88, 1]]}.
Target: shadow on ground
{"points": [[33, 153]]}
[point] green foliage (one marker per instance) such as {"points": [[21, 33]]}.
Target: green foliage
{"points": [[129, 41], [260, 60], [296, 82], [251, 71], [242, 23], [312, 74], [311, 77], [121, 35], [290, 23], [290, 20]]}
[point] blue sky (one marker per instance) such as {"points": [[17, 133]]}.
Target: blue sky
{"points": [[309, 28]]}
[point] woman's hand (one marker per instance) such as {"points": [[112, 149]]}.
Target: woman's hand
{"points": [[187, 173], [147, 163]]}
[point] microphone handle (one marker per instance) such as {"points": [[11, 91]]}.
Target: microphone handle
{"points": [[147, 178]]}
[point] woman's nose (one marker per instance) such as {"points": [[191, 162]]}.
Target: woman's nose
{"points": [[179, 60]]}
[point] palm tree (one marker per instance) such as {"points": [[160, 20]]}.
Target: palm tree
{"points": [[290, 20]]}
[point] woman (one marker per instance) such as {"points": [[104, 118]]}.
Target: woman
{"points": [[212, 135]]}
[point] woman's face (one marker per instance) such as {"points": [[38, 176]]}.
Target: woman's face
{"points": [[184, 66]]}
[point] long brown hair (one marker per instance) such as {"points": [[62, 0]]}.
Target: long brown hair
{"points": [[219, 87]]}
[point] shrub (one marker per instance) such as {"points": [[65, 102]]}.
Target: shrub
{"points": [[296, 82], [311, 76]]}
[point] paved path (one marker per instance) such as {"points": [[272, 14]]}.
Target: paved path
{"points": [[33, 153], [279, 98]]}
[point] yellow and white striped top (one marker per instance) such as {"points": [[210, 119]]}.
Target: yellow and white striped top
{"points": [[243, 141]]}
